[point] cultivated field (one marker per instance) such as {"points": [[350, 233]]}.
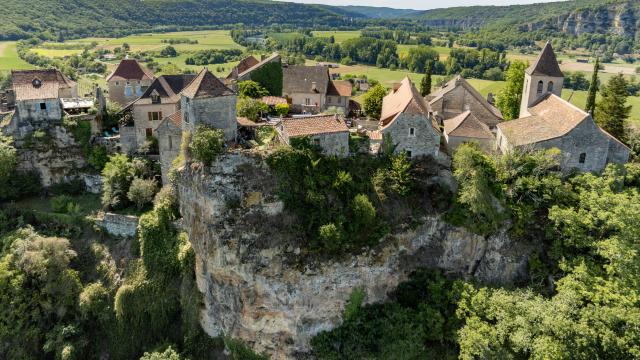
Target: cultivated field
{"points": [[340, 36], [9, 59]]}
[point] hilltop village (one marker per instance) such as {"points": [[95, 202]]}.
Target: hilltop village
{"points": [[159, 109]]}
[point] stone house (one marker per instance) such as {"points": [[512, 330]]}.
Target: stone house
{"points": [[555, 123], [248, 65], [128, 81], [306, 87], [466, 128], [339, 95], [457, 96], [548, 121], [206, 100], [157, 102], [409, 122], [169, 134], [329, 132], [38, 95]]}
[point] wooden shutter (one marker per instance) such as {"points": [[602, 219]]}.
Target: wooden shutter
{"points": [[160, 115], [150, 116]]}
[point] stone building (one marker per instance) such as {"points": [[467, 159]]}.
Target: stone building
{"points": [[457, 96], [547, 121], [128, 81], [542, 77], [249, 65], [466, 128], [206, 100], [409, 122], [339, 95], [38, 95], [329, 132], [306, 87], [157, 102], [169, 134]]}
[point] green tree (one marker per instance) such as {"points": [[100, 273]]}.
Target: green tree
{"points": [[282, 109], [510, 97], [141, 191], [612, 110], [116, 179], [425, 84], [251, 89], [168, 354], [593, 89], [250, 108], [373, 101], [206, 144]]}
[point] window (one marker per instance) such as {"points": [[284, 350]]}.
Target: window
{"points": [[408, 153], [550, 86], [186, 117], [328, 99], [117, 83], [307, 101], [149, 132], [412, 132], [583, 158], [138, 90], [170, 143], [128, 91], [155, 115], [540, 86], [155, 99], [43, 106]]}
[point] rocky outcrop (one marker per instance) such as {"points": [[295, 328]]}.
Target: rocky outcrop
{"points": [[124, 226], [256, 289]]}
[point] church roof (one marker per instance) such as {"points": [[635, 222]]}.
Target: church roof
{"points": [[551, 117], [406, 99], [206, 85], [546, 64], [467, 125]]}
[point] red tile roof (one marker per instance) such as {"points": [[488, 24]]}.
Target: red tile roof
{"points": [[339, 88], [130, 69], [313, 125], [39, 84], [176, 118], [406, 99]]}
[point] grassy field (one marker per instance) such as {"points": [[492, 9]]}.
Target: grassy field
{"points": [[443, 51], [56, 53], [340, 36], [9, 59]]}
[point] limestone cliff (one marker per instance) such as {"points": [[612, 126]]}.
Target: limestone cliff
{"points": [[256, 289]]}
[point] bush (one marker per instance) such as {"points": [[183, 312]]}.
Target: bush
{"points": [[252, 109], [116, 179], [64, 204], [282, 109], [373, 101], [141, 192], [251, 89], [206, 144], [168, 354]]}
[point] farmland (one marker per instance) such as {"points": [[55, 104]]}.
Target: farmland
{"points": [[340, 36], [9, 59]]}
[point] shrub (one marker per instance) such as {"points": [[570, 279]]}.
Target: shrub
{"points": [[252, 109], [62, 204], [207, 143], [168, 354], [141, 192], [373, 101], [251, 89], [282, 109], [116, 179]]}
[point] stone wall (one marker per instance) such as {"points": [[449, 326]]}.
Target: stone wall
{"points": [[425, 140], [460, 100], [248, 259], [218, 112], [141, 118], [169, 140], [118, 225], [128, 139]]}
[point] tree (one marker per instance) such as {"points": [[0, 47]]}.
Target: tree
{"points": [[206, 144], [141, 192], [251, 89], [250, 108], [169, 51], [116, 179], [8, 159], [373, 101], [510, 97], [282, 109], [425, 84], [593, 89], [612, 111], [168, 354]]}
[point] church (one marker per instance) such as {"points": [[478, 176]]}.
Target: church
{"points": [[548, 121]]}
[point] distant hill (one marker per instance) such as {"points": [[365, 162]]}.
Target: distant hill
{"points": [[574, 17], [372, 12], [61, 19]]}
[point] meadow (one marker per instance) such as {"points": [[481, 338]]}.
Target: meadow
{"points": [[9, 59], [340, 36]]}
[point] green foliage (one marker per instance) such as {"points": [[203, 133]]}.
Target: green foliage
{"points": [[167, 354], [252, 109], [96, 155], [206, 144], [117, 176], [418, 323], [282, 109], [251, 89], [612, 110], [15, 184], [64, 204], [269, 76], [510, 97], [141, 192], [372, 104], [425, 83]]}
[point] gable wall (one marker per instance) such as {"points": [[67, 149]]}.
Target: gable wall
{"points": [[218, 112], [426, 140], [459, 100]]}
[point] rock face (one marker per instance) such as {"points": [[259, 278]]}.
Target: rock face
{"points": [[255, 290]]}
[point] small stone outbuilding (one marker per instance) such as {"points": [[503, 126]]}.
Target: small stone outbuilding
{"points": [[466, 128], [329, 132]]}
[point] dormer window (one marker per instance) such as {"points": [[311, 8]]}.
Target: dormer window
{"points": [[36, 83], [155, 98]]}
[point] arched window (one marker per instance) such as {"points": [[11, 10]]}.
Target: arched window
{"points": [[540, 86], [550, 86], [583, 158]]}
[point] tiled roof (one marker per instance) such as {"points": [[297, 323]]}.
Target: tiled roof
{"points": [[467, 125], [39, 84], [244, 65], [460, 81], [206, 85], [274, 100], [243, 121], [339, 88], [546, 64], [130, 69], [406, 99], [313, 125], [275, 57], [551, 117], [301, 79], [176, 118], [168, 87]]}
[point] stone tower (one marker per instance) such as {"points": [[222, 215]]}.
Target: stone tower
{"points": [[206, 100], [542, 77]]}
